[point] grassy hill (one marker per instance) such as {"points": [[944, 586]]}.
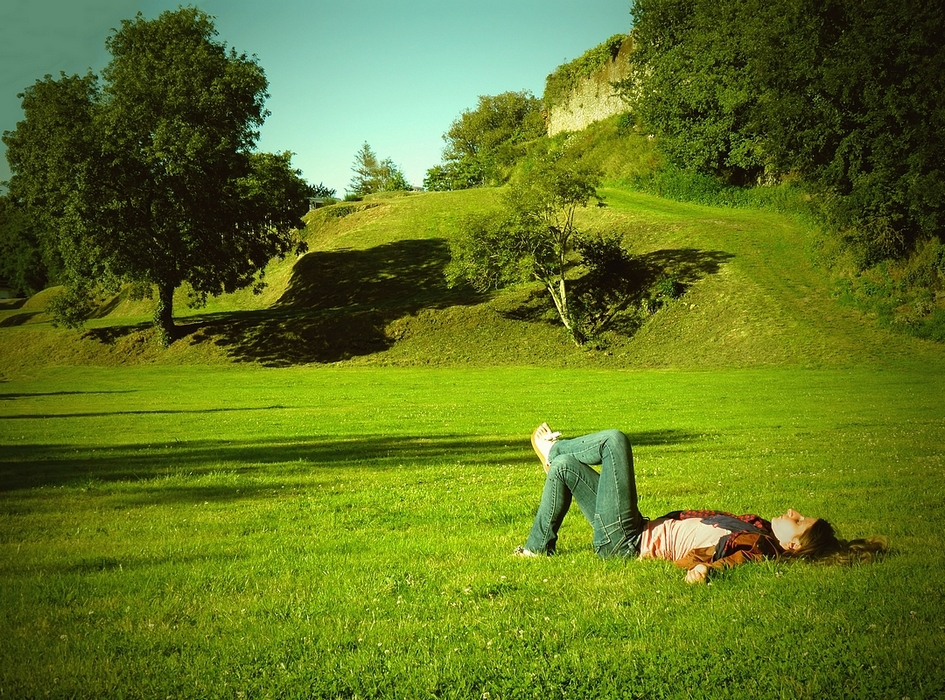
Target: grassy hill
{"points": [[371, 290]]}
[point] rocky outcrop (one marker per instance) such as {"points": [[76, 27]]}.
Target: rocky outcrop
{"points": [[593, 98]]}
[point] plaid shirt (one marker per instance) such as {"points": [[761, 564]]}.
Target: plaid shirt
{"points": [[751, 536]]}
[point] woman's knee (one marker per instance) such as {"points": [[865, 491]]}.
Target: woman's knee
{"points": [[564, 468], [559, 465], [616, 438]]}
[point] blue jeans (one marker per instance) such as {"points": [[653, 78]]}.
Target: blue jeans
{"points": [[608, 500]]}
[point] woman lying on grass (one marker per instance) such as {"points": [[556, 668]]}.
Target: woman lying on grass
{"points": [[698, 541]]}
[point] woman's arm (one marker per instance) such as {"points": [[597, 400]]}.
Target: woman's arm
{"points": [[697, 574], [747, 547]]}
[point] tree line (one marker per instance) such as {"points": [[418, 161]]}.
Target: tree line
{"points": [[848, 96]]}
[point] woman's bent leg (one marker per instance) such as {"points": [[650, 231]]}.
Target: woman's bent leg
{"points": [[567, 479], [617, 521]]}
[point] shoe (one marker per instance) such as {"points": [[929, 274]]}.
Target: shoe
{"points": [[542, 440], [522, 552]]}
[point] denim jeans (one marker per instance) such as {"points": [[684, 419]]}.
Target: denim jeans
{"points": [[607, 499]]}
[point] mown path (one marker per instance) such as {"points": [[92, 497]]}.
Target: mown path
{"points": [[768, 304]]}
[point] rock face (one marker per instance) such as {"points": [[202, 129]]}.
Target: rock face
{"points": [[593, 98]]}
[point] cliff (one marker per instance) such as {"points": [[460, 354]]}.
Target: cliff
{"points": [[581, 92]]}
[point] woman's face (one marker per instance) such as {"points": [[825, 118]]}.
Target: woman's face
{"points": [[789, 527]]}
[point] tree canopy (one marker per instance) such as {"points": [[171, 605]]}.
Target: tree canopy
{"points": [[149, 177], [846, 94], [484, 143], [372, 174]]}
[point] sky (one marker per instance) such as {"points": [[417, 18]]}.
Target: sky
{"points": [[391, 73]]}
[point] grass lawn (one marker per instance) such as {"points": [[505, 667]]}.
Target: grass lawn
{"points": [[347, 532]]}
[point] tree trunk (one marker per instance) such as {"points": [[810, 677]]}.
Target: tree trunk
{"points": [[164, 314], [560, 298], [563, 306]]}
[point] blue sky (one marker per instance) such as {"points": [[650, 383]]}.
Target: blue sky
{"points": [[393, 73]]}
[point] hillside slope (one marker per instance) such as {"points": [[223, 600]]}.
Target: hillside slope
{"points": [[372, 291]]}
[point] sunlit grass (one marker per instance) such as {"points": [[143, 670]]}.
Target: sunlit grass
{"points": [[371, 291], [347, 533]]}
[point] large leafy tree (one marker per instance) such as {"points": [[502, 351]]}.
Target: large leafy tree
{"points": [[854, 102], [693, 83], [149, 177], [483, 144], [845, 93]]}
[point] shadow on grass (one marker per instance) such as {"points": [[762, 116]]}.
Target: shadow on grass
{"points": [[109, 335], [686, 265], [337, 305], [18, 319], [10, 397], [36, 465], [644, 278], [149, 412]]}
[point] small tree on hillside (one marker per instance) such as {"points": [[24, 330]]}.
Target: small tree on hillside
{"points": [[533, 236], [150, 178]]}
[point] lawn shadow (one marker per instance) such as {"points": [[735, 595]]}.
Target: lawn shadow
{"points": [[18, 319], [109, 335], [338, 305], [104, 414], [34, 394], [35, 465], [616, 294], [685, 265]]}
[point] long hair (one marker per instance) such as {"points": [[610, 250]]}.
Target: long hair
{"points": [[820, 543]]}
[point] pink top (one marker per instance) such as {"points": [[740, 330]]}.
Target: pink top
{"points": [[674, 539]]}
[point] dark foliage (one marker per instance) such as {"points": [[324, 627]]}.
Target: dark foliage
{"points": [[149, 178], [848, 94]]}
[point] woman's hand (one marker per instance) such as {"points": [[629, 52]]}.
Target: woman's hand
{"points": [[697, 574]]}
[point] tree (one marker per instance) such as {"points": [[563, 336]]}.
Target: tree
{"points": [[698, 87], [847, 94], [150, 178], [533, 236], [856, 106], [323, 190], [373, 175], [25, 264], [483, 144]]}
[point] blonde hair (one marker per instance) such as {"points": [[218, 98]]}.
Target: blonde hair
{"points": [[820, 543]]}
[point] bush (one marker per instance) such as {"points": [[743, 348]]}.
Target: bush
{"points": [[906, 295]]}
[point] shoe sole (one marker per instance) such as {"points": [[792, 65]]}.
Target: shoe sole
{"points": [[541, 457]]}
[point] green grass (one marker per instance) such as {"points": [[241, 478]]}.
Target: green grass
{"points": [[346, 532], [316, 491], [372, 292]]}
